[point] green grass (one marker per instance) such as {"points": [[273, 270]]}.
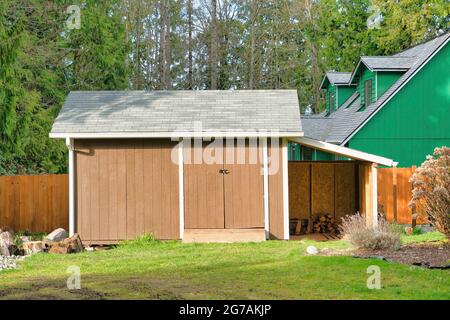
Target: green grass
{"points": [[423, 237], [149, 269]]}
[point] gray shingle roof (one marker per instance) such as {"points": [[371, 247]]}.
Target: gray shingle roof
{"points": [[347, 119], [169, 111], [381, 63], [337, 78]]}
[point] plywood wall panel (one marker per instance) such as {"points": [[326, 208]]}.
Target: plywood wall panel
{"points": [[344, 189], [322, 188], [299, 190]]}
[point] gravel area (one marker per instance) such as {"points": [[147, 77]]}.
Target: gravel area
{"points": [[9, 262]]}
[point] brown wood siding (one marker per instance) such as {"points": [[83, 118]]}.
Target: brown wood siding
{"points": [[126, 188], [217, 201], [203, 190], [244, 188], [276, 219]]}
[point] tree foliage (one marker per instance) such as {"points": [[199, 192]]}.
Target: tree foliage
{"points": [[431, 189], [181, 44]]}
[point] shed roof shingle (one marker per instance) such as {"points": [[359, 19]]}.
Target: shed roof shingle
{"points": [[178, 111]]}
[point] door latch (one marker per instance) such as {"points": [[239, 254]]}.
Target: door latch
{"points": [[224, 171]]}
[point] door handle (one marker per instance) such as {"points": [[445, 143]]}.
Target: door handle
{"points": [[224, 171]]}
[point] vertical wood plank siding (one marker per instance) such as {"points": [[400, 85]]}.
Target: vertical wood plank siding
{"points": [[276, 219], [126, 188], [37, 203]]}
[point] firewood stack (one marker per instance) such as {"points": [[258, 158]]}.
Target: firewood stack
{"points": [[325, 223]]}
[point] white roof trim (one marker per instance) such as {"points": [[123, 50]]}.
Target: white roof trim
{"points": [[395, 92], [343, 151], [106, 135]]}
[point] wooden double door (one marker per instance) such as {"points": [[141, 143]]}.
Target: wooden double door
{"points": [[223, 185]]}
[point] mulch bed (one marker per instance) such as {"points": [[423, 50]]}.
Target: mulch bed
{"points": [[430, 255]]}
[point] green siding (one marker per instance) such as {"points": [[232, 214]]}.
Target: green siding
{"points": [[385, 80], [365, 75], [331, 89], [321, 155], [293, 151], [343, 93], [415, 120]]}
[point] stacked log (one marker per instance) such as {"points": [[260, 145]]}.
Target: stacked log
{"points": [[325, 223]]}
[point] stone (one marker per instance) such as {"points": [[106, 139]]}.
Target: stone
{"points": [[32, 247], [409, 230], [24, 239], [57, 235], [69, 245], [6, 238], [7, 229], [4, 251], [312, 250]]}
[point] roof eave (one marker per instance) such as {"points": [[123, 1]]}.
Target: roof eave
{"points": [[344, 151], [174, 134]]}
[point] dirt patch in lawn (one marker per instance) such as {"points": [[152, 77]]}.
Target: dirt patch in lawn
{"points": [[430, 255], [101, 288]]}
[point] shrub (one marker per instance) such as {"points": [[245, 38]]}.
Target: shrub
{"points": [[431, 190], [383, 236]]}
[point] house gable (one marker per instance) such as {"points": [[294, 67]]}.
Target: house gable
{"points": [[415, 120]]}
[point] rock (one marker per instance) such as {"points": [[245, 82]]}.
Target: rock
{"points": [[24, 239], [409, 230], [57, 235], [7, 229], [6, 238], [4, 250], [32, 247], [312, 250], [69, 245]]}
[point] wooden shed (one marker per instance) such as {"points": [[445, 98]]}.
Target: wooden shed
{"points": [[189, 165]]}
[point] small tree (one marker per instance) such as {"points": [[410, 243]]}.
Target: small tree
{"points": [[431, 189]]}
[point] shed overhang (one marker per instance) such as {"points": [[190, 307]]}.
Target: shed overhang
{"points": [[344, 151]]}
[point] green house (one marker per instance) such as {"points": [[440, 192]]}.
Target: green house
{"points": [[397, 106]]}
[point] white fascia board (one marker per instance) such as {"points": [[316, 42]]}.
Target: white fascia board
{"points": [[250, 134], [343, 151]]}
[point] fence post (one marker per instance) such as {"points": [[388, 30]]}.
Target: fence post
{"points": [[394, 191], [413, 210]]}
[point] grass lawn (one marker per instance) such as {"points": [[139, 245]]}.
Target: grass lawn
{"points": [[268, 270]]}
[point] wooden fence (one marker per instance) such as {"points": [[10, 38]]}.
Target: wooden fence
{"points": [[394, 193], [36, 203]]}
